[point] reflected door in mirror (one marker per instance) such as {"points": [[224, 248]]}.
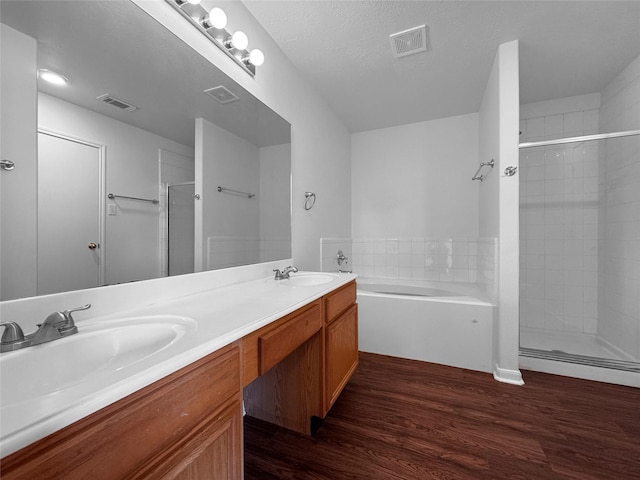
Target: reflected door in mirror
{"points": [[68, 214]]}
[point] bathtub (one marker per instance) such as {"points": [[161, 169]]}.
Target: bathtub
{"points": [[440, 322]]}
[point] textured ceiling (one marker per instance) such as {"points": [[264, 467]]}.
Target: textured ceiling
{"points": [[343, 49], [114, 47]]}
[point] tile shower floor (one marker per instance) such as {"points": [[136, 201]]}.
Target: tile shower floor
{"points": [[570, 342]]}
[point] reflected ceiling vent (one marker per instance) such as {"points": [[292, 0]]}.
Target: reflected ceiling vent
{"points": [[221, 94], [116, 102], [409, 41]]}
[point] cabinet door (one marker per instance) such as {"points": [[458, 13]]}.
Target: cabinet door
{"points": [[341, 356], [130, 438], [213, 452]]}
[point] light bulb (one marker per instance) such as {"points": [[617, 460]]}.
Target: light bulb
{"points": [[52, 77], [239, 40], [256, 57], [216, 18]]}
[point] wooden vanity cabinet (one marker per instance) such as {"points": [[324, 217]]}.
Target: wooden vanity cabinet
{"points": [[282, 369], [295, 369], [340, 342], [187, 425]]}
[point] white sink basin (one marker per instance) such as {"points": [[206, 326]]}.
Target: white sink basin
{"points": [[309, 279], [98, 348]]}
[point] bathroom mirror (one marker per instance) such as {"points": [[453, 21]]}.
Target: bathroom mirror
{"points": [[135, 97]]}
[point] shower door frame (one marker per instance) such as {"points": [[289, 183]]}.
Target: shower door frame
{"points": [[168, 203], [620, 365]]}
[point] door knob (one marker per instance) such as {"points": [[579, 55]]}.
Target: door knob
{"points": [[92, 246]]}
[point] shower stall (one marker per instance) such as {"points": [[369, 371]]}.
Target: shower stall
{"points": [[181, 217], [580, 246]]}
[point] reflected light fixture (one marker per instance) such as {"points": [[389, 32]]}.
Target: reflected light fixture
{"points": [[212, 24], [256, 57], [216, 18], [238, 40], [52, 77]]}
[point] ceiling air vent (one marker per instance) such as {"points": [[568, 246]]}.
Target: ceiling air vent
{"points": [[116, 102], [409, 41], [221, 94]]}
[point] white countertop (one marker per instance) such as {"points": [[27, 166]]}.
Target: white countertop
{"points": [[223, 315]]}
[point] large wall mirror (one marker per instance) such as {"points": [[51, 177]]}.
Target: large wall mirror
{"points": [[149, 162]]}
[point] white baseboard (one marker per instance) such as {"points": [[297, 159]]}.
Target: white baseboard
{"points": [[504, 375]]}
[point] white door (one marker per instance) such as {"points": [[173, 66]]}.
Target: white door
{"points": [[69, 233]]}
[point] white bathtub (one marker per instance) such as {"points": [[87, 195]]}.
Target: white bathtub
{"points": [[446, 323]]}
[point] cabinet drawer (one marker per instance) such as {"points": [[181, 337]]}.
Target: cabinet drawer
{"points": [[338, 301], [276, 344]]}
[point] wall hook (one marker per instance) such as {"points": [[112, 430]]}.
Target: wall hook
{"points": [[310, 200], [7, 165]]}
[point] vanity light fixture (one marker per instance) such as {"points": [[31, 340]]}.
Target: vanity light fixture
{"points": [[52, 77], [238, 40], [212, 24], [216, 18]]}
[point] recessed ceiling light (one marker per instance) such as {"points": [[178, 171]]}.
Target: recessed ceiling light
{"points": [[52, 77]]}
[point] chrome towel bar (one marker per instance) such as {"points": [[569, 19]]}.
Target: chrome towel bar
{"points": [[237, 192], [152, 200], [481, 177]]}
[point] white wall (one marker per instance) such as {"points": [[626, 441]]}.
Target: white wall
{"points": [[415, 180], [275, 202], [320, 143], [499, 203], [230, 229], [132, 236], [18, 197]]}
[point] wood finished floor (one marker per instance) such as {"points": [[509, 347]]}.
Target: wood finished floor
{"points": [[402, 419]]}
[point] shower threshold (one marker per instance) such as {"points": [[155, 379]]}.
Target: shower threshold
{"points": [[560, 356]]}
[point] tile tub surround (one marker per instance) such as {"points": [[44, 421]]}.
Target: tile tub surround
{"points": [[217, 300], [418, 258], [449, 259]]}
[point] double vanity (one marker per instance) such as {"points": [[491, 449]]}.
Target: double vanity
{"points": [[157, 388]]}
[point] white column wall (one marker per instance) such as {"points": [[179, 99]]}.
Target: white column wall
{"points": [[499, 203]]}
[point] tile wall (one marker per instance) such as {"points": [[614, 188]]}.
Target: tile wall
{"points": [[232, 251], [559, 221], [487, 276], [417, 258], [275, 249], [410, 258], [455, 259], [619, 249]]}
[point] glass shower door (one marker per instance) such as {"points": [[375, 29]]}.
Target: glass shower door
{"points": [[181, 228], [580, 251]]}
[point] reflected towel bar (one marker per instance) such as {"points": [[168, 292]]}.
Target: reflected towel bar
{"points": [[481, 177], [237, 192], [152, 200]]}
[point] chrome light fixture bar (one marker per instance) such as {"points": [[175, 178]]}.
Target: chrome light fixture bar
{"points": [[212, 24]]}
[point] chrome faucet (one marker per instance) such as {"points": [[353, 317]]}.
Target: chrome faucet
{"points": [[56, 325], [283, 275]]}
